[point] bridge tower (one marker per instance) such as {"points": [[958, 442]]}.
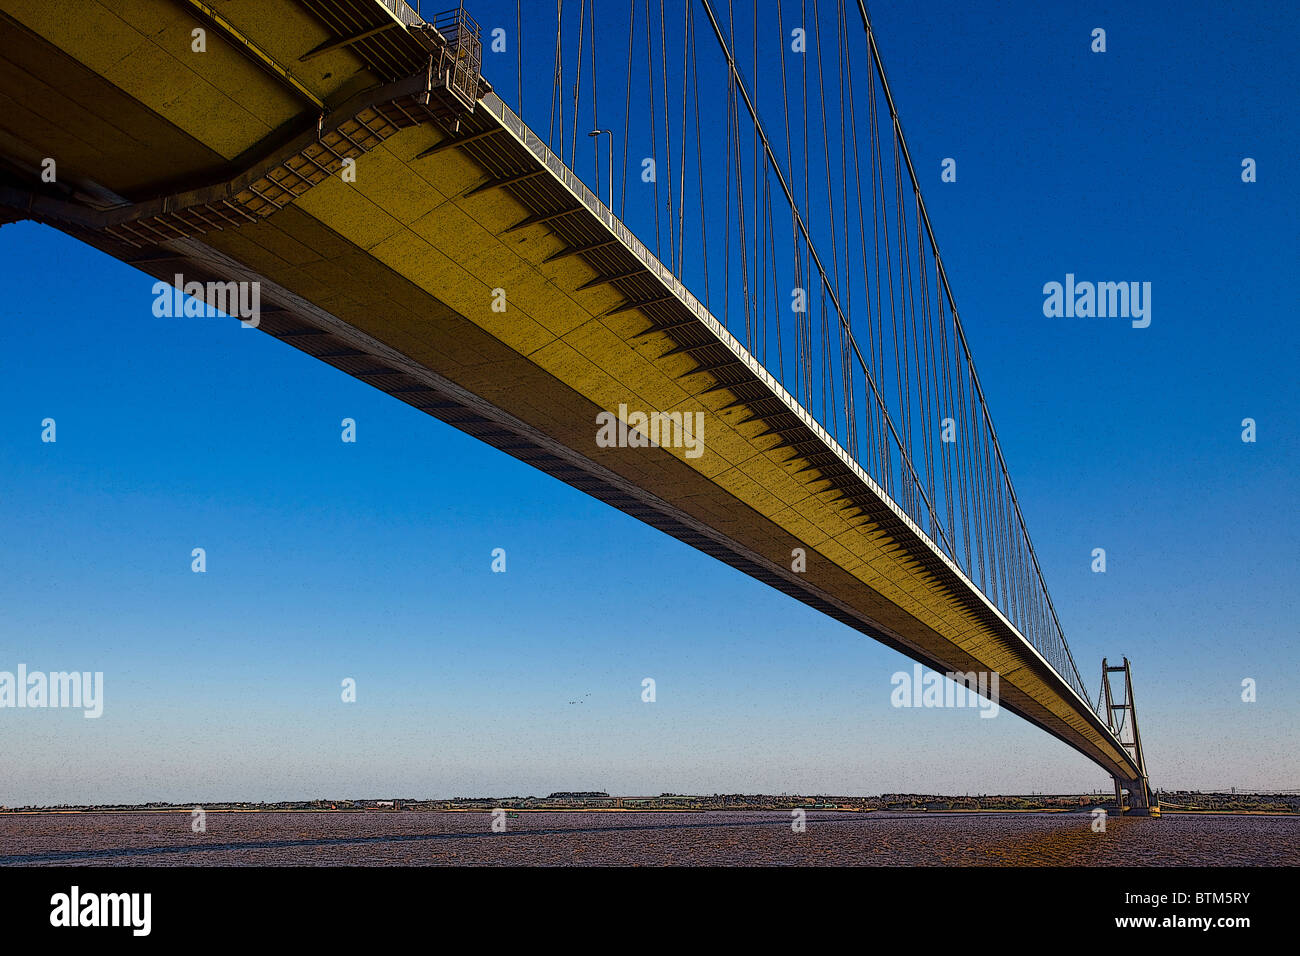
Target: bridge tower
{"points": [[1141, 801]]}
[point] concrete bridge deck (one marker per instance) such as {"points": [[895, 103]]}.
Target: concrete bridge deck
{"points": [[223, 166]]}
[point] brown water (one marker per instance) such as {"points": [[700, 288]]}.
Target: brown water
{"points": [[649, 839]]}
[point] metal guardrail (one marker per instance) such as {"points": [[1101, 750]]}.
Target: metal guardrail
{"points": [[403, 12], [461, 59]]}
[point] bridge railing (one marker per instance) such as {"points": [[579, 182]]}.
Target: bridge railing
{"points": [[461, 58], [403, 11]]}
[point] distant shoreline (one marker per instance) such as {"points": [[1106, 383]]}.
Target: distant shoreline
{"points": [[1276, 803], [664, 810]]}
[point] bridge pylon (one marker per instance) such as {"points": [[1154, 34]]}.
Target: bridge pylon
{"points": [[1142, 801]]}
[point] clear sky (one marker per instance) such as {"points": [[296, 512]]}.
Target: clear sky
{"points": [[371, 560]]}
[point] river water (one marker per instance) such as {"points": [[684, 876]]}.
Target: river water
{"points": [[719, 838]]}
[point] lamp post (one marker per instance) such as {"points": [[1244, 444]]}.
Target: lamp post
{"points": [[597, 133]]}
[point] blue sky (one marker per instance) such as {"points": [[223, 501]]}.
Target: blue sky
{"points": [[372, 560]]}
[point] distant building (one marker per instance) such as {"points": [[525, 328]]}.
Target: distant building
{"points": [[580, 795]]}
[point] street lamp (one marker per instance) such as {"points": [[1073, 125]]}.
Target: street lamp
{"points": [[609, 166]]}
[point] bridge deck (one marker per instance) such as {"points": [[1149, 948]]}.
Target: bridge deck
{"points": [[390, 278]]}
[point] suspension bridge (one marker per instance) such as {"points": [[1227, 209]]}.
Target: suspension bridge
{"points": [[749, 277]]}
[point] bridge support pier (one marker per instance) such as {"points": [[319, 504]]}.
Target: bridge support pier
{"points": [[1141, 801]]}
